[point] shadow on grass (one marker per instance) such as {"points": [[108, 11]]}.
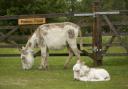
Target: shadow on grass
{"points": [[115, 61]]}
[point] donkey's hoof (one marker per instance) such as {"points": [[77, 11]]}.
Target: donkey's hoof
{"points": [[65, 67], [40, 67], [43, 68]]}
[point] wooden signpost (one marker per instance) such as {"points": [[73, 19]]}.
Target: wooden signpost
{"points": [[31, 21], [96, 36]]}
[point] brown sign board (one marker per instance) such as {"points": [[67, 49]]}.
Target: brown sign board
{"points": [[31, 21]]}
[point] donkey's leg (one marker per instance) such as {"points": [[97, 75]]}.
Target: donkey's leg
{"points": [[70, 52], [44, 54], [76, 52], [72, 43]]}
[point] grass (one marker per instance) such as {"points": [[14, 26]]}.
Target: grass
{"points": [[13, 77]]}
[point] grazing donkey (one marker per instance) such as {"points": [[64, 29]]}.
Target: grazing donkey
{"points": [[51, 36]]}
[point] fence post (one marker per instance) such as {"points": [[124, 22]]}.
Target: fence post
{"points": [[96, 35]]}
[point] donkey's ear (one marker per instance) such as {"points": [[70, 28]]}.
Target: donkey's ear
{"points": [[19, 48], [31, 51], [22, 47], [29, 44]]}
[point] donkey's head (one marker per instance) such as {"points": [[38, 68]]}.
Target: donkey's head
{"points": [[27, 58]]}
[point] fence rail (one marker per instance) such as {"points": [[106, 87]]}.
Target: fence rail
{"points": [[84, 24], [65, 54], [54, 15], [25, 37]]}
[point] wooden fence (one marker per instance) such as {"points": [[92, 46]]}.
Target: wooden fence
{"points": [[97, 50]]}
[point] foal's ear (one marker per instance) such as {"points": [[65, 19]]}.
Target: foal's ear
{"points": [[78, 61], [83, 63]]}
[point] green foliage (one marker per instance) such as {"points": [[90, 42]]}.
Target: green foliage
{"points": [[16, 7], [113, 4], [26, 7]]}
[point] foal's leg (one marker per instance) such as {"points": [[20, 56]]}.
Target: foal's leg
{"points": [[44, 61], [70, 52]]}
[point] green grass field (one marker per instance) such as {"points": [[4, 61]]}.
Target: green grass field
{"points": [[13, 77]]}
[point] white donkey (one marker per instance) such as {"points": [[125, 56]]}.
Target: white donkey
{"points": [[84, 73], [51, 36]]}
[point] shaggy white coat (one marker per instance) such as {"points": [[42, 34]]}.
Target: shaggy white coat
{"points": [[84, 73], [52, 36]]}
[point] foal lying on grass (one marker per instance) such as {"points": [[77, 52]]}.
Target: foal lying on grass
{"points": [[84, 73]]}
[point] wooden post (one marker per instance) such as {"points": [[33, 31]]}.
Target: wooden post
{"points": [[96, 35]]}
